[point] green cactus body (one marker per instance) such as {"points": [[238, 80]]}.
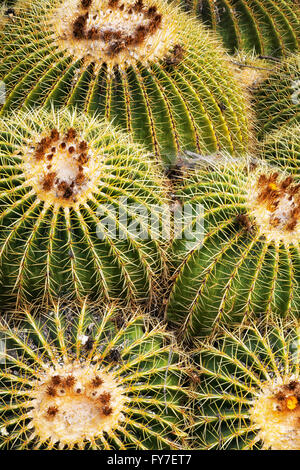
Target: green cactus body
{"points": [[248, 259], [88, 378], [64, 177], [282, 148], [150, 68], [277, 99], [249, 396], [268, 27]]}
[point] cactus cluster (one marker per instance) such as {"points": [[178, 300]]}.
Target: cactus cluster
{"points": [[147, 66], [149, 224], [268, 27], [90, 378]]}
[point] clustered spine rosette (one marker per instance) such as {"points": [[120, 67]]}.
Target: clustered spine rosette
{"points": [[269, 27], [249, 394], [91, 377], [149, 67], [248, 260], [282, 148], [64, 176]]}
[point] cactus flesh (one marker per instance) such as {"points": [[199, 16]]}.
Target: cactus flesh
{"points": [[100, 381], [69, 185], [146, 66]]}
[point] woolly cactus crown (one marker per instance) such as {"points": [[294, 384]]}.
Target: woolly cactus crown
{"points": [[68, 186], [90, 378], [148, 66]]}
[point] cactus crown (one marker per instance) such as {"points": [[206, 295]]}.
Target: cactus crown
{"points": [[145, 65], [274, 202], [68, 186], [7, 11], [63, 169], [115, 32], [247, 261], [249, 395], [75, 400], [267, 27], [276, 410], [88, 377]]}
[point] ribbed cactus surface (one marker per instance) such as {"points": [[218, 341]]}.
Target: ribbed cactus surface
{"points": [[248, 259], [146, 65], [249, 396], [268, 27], [73, 189], [282, 148], [90, 378], [277, 99]]}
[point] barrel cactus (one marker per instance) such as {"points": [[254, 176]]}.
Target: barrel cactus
{"points": [[249, 395], [91, 377], [282, 147], [69, 188], [269, 27], [146, 65], [277, 99], [247, 262]]}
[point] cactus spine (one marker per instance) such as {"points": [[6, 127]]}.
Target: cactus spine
{"points": [[268, 27], [148, 67], [63, 176], [282, 148], [249, 396], [249, 260], [96, 381], [277, 99]]}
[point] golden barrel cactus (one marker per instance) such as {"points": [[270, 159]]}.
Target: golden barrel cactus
{"points": [[69, 188], [91, 377], [247, 261], [147, 66], [249, 395]]}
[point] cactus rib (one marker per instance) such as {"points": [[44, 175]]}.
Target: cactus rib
{"points": [[277, 99], [169, 98], [56, 200], [90, 378], [248, 260], [282, 148], [249, 393]]}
